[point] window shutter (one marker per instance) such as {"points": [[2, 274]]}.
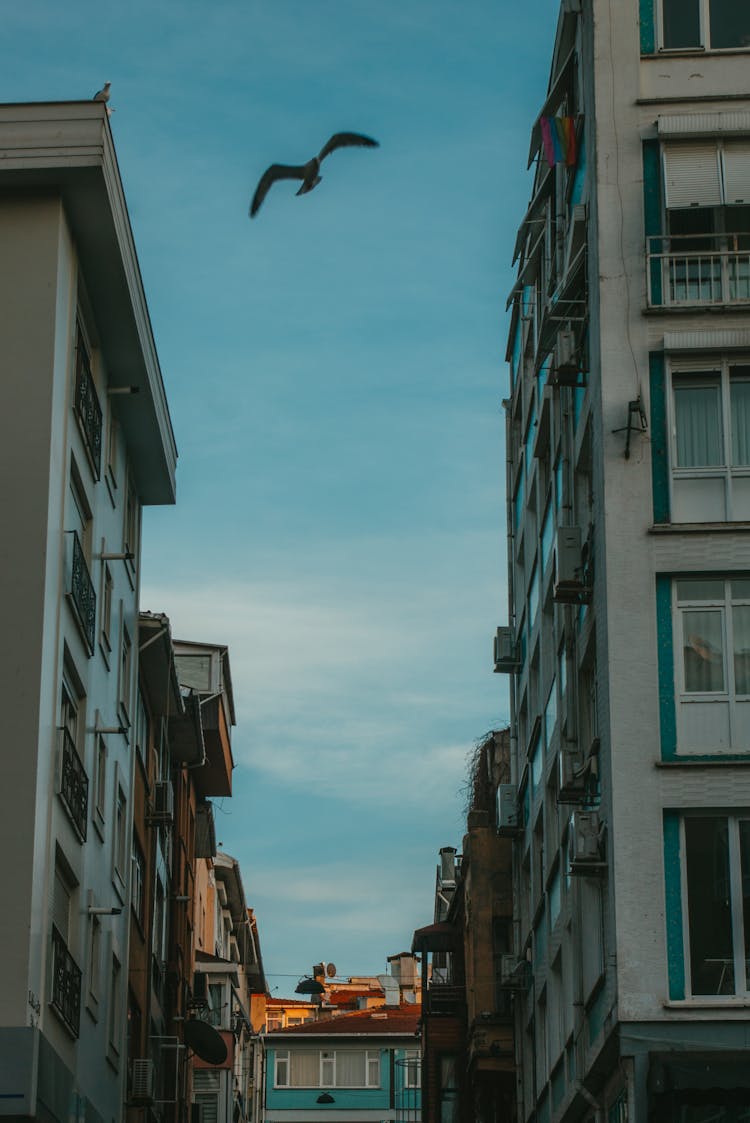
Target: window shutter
{"points": [[691, 175], [737, 172]]}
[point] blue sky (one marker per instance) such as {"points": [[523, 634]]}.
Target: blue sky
{"points": [[334, 370]]}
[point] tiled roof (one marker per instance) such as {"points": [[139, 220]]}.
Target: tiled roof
{"points": [[341, 997], [272, 1000], [379, 1022]]}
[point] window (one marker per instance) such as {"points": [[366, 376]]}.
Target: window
{"points": [[105, 621], [112, 455], [717, 868], [94, 955], [206, 1089], [273, 1021], [100, 777], [710, 448], [87, 409], [115, 1009], [130, 522], [120, 837], [412, 1068], [713, 24], [126, 655], [141, 727], [712, 638], [80, 588], [339, 1068], [138, 881], [65, 997], [448, 1090], [73, 781]]}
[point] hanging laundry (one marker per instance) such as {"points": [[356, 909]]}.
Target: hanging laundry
{"points": [[559, 140]]}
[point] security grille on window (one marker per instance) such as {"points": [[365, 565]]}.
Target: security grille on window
{"points": [[714, 24], [713, 672]]}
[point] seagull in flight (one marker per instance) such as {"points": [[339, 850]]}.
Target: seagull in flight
{"points": [[309, 173]]}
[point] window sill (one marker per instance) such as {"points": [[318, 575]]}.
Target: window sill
{"points": [[699, 528], [704, 761], [717, 1002]]}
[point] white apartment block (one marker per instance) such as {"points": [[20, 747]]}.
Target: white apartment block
{"points": [[85, 442], [628, 641]]}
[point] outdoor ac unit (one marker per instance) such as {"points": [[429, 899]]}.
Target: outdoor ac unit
{"points": [[162, 811], [570, 586], [586, 842], [508, 819], [565, 362], [506, 654], [513, 972], [200, 989], [142, 1081], [571, 775]]}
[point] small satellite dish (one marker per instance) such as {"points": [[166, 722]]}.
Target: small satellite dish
{"points": [[206, 1042], [330, 970]]}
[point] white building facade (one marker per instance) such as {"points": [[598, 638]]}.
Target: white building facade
{"points": [[85, 441], [628, 642]]}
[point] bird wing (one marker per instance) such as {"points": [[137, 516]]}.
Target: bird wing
{"points": [[346, 140], [276, 171], [101, 95]]}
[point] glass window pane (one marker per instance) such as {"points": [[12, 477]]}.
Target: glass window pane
{"points": [[681, 23], [305, 1070], [698, 588], [703, 649], [745, 868], [709, 905], [740, 588], [698, 424], [350, 1068], [730, 23], [739, 397], [741, 626]]}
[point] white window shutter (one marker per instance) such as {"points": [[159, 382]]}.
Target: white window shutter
{"points": [[691, 175], [737, 172]]}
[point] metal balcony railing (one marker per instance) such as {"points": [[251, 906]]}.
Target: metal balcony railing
{"points": [[82, 592], [74, 784], [66, 984], [698, 269], [88, 410]]}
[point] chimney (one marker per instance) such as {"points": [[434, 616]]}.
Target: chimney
{"points": [[448, 865]]}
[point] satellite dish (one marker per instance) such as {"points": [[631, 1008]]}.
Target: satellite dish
{"points": [[330, 970], [206, 1042]]}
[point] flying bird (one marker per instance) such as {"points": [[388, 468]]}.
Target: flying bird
{"points": [[103, 93], [309, 173]]}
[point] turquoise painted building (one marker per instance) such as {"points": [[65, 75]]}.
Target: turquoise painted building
{"points": [[361, 1067]]}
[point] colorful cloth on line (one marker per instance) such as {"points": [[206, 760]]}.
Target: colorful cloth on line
{"points": [[559, 140]]}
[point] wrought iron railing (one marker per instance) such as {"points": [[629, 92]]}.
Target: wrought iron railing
{"points": [[66, 983], [74, 784], [698, 269], [88, 410], [82, 592]]}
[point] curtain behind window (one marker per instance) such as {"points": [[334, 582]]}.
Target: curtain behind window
{"points": [[698, 423]]}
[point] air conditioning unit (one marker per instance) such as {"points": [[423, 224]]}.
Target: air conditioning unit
{"points": [[506, 652], [201, 994], [571, 777], [586, 843], [508, 817], [142, 1081], [565, 361], [162, 809], [514, 973], [570, 584]]}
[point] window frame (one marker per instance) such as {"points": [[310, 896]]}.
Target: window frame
{"points": [[704, 32], [327, 1064], [733, 820], [703, 369]]}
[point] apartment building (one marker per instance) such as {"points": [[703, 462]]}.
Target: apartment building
{"points": [[627, 640], [85, 443]]}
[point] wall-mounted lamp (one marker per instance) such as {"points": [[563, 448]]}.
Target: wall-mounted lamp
{"points": [[112, 390], [325, 1098], [127, 555], [102, 910]]}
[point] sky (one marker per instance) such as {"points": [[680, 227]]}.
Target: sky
{"points": [[335, 371]]}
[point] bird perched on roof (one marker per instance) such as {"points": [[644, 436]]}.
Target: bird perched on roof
{"points": [[309, 173], [103, 93]]}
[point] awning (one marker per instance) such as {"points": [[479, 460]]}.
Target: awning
{"points": [[555, 96], [536, 207], [436, 937]]}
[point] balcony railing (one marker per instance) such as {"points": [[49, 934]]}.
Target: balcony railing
{"points": [[74, 784], [698, 269], [88, 410], [66, 984], [82, 592]]}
